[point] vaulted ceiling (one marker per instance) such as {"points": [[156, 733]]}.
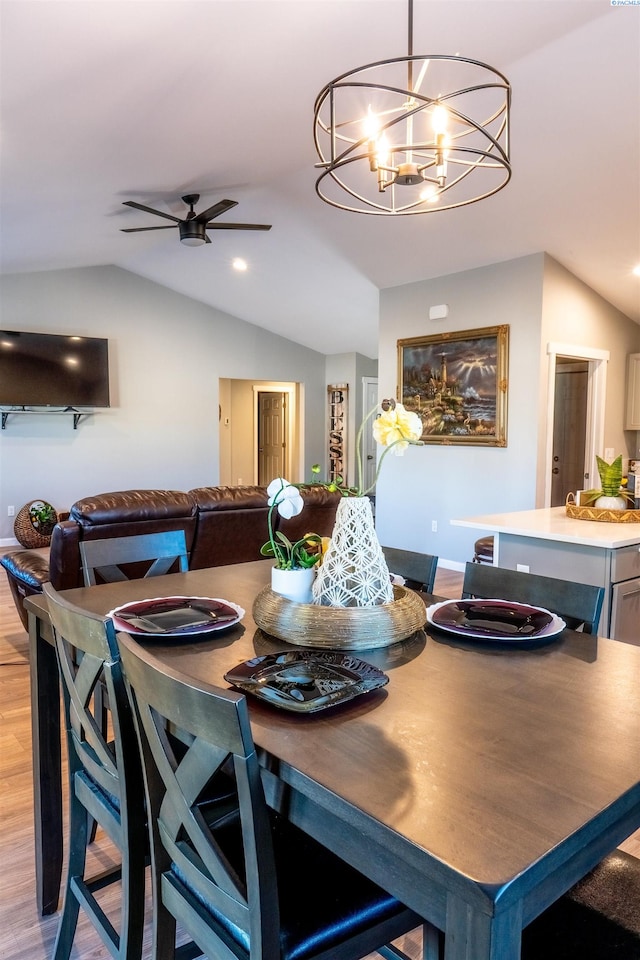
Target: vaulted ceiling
{"points": [[104, 101]]}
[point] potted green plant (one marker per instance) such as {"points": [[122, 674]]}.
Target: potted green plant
{"points": [[294, 570], [43, 517], [611, 495]]}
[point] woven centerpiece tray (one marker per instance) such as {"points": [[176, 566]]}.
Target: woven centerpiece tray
{"points": [[340, 628], [595, 513]]}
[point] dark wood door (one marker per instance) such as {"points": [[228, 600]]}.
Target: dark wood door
{"points": [[569, 429], [271, 436]]}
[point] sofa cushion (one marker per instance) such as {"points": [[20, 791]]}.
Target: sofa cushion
{"points": [[133, 506], [232, 525], [318, 514]]}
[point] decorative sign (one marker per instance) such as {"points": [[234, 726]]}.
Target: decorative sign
{"points": [[338, 396], [457, 384]]}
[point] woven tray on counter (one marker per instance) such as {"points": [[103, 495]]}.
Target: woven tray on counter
{"points": [[340, 628], [596, 513]]}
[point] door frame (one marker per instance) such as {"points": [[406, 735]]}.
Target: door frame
{"points": [[289, 422], [367, 442], [596, 396]]}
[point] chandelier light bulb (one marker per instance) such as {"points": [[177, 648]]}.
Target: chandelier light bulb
{"points": [[371, 124], [439, 120]]}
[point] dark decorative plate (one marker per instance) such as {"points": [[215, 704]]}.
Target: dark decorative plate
{"points": [[306, 681], [502, 620], [176, 616]]}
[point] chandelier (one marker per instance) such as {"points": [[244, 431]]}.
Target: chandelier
{"points": [[412, 135]]}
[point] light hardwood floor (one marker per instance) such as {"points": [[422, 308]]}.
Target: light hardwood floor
{"points": [[23, 934]]}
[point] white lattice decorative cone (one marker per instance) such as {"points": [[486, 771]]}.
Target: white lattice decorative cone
{"points": [[354, 572]]}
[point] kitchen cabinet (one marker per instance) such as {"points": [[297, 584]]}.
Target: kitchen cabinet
{"points": [[633, 392], [550, 543]]}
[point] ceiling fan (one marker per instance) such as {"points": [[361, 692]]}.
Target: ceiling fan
{"points": [[193, 229]]}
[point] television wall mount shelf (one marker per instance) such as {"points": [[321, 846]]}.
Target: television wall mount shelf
{"points": [[66, 411]]}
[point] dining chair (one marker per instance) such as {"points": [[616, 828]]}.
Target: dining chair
{"points": [[418, 569], [598, 919], [237, 876], [105, 781], [152, 553], [579, 604]]}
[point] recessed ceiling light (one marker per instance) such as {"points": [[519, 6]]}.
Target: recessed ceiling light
{"points": [[239, 264], [636, 271]]}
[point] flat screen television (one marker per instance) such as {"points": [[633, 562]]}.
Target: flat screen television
{"points": [[52, 370]]}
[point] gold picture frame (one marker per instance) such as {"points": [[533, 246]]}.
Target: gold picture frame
{"points": [[457, 383]]}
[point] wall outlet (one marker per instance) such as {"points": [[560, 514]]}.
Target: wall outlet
{"points": [[522, 567], [434, 526], [11, 511]]}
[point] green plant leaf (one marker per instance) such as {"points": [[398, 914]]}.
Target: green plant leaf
{"points": [[610, 475]]}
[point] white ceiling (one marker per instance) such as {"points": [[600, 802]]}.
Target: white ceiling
{"points": [[110, 100]]}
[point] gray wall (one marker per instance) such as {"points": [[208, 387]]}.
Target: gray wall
{"points": [[541, 302], [350, 368], [167, 354]]}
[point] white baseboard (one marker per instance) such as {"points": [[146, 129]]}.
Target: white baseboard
{"points": [[9, 542], [451, 565]]}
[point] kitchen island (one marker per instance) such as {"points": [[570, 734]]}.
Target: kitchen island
{"points": [[548, 542]]}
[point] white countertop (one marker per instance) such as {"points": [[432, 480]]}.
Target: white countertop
{"points": [[552, 523]]}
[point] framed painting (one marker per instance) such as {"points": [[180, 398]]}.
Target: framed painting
{"points": [[457, 384]]}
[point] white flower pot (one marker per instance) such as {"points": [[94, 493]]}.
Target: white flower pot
{"points": [[611, 503], [293, 584]]}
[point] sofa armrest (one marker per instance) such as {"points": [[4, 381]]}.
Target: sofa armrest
{"points": [[27, 566], [26, 570]]}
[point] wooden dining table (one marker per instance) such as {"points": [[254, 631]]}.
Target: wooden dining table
{"points": [[477, 786]]}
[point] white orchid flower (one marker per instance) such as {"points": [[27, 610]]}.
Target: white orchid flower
{"points": [[285, 497]]}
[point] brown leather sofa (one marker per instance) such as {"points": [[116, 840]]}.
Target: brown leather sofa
{"points": [[222, 525]]}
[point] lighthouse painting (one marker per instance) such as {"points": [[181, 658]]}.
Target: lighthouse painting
{"points": [[457, 383]]}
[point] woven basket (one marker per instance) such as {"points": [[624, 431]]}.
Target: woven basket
{"points": [[340, 628], [595, 513], [25, 532]]}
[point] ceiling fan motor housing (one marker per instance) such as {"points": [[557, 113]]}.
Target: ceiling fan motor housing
{"points": [[192, 232]]}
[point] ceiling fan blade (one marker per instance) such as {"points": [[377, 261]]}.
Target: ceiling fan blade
{"points": [[156, 213], [207, 239], [238, 226], [218, 208], [143, 229]]}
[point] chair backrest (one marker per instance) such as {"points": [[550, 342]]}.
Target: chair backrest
{"points": [[579, 604], [203, 780], [88, 656], [152, 554], [418, 569]]}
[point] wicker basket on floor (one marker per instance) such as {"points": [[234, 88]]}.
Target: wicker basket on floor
{"points": [[27, 533]]}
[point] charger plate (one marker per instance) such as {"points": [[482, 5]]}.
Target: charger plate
{"points": [[176, 616], [340, 628], [494, 619], [306, 681]]}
